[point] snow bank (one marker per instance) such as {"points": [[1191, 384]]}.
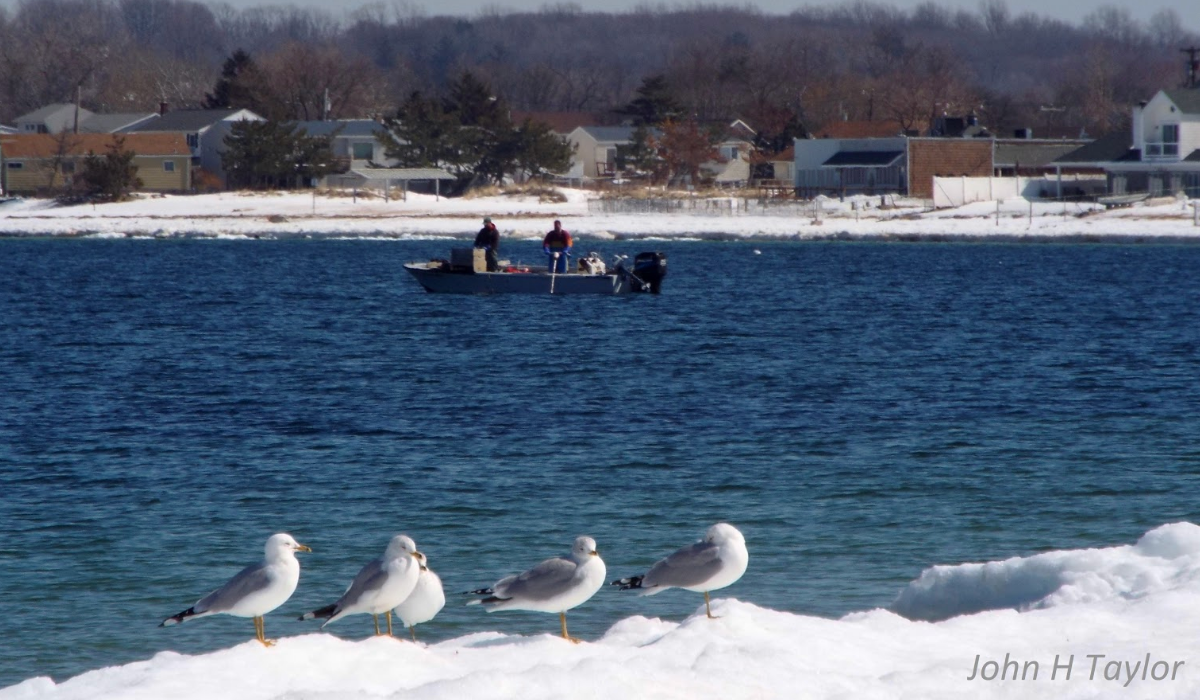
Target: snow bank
{"points": [[1161, 560], [1118, 622], [284, 215]]}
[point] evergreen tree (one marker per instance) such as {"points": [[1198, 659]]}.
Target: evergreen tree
{"points": [[654, 104], [639, 154], [426, 136], [274, 155], [113, 175], [235, 88], [539, 151]]}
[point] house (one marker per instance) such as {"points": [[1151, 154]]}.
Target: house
{"points": [[34, 163], [596, 150], [599, 150], [203, 129], [52, 119], [774, 171], [1161, 154], [897, 165], [355, 141]]}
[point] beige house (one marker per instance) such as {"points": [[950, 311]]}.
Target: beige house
{"points": [[36, 163]]}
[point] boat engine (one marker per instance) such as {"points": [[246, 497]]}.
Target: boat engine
{"points": [[650, 268]]}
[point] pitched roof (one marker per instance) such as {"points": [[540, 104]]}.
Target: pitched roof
{"points": [[1030, 153], [185, 120], [349, 127], [111, 123], [1193, 157], [618, 134], [860, 130], [559, 122], [42, 113], [34, 146], [1116, 146], [1186, 99], [864, 158]]}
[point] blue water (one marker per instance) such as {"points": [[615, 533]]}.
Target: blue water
{"points": [[860, 410]]}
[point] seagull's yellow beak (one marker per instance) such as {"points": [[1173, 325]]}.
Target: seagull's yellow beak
{"points": [[303, 547], [594, 553], [418, 556]]}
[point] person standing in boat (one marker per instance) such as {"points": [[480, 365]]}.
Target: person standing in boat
{"points": [[488, 238], [557, 241]]}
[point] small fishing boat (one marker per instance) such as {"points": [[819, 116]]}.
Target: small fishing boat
{"points": [[466, 273]]}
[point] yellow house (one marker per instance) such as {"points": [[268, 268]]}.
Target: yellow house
{"points": [[42, 163]]}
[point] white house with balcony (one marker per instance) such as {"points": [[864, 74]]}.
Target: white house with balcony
{"points": [[1164, 157]]}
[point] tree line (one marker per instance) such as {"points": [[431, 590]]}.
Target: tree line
{"points": [[813, 66]]}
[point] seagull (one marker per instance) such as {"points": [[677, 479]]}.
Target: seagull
{"points": [[379, 586], [425, 602], [714, 562], [554, 586], [256, 590]]}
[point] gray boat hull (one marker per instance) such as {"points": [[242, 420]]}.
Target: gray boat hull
{"points": [[437, 280]]}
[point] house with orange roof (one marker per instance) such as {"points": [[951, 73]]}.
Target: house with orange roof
{"points": [[43, 163]]}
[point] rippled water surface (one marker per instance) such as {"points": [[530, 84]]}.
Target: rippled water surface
{"points": [[860, 410]]}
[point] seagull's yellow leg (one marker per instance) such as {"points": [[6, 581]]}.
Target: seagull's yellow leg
{"points": [[562, 616], [260, 631], [376, 619], [389, 619], [413, 631], [707, 608]]}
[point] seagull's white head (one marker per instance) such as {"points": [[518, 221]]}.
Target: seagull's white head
{"points": [[583, 548], [723, 532], [282, 545], [400, 546]]}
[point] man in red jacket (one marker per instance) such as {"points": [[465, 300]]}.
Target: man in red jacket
{"points": [[557, 242]]}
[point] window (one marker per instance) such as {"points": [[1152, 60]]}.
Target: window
{"points": [[193, 140], [362, 151], [15, 166], [1170, 139], [168, 166]]}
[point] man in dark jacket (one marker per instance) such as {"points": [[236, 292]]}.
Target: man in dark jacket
{"points": [[488, 238]]}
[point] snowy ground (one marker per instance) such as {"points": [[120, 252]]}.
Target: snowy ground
{"points": [[287, 215], [1117, 622]]}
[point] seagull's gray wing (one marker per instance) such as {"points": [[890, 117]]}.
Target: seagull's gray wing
{"points": [[689, 566], [543, 582], [369, 579], [248, 581]]}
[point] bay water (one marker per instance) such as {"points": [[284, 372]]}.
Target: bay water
{"points": [[861, 411]]}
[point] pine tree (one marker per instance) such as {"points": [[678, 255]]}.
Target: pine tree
{"points": [[113, 175], [234, 89], [654, 104]]}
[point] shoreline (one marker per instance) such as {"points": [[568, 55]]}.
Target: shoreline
{"points": [[282, 216]]}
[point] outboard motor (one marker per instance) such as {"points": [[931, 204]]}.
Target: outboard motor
{"points": [[650, 268]]}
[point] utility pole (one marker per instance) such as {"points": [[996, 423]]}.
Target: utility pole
{"points": [[1193, 67]]}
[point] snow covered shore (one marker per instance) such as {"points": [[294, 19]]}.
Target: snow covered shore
{"points": [[1117, 622], [284, 215]]}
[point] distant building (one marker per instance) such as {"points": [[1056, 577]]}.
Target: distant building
{"points": [[203, 129], [355, 142], [37, 163], [1160, 155]]}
